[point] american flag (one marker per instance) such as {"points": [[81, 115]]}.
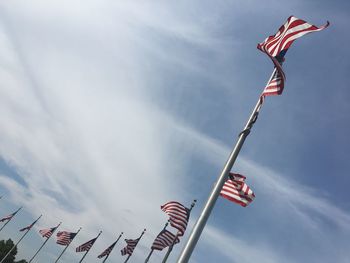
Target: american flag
{"points": [[236, 190], [86, 246], [107, 250], [164, 239], [9, 217], [64, 238], [131, 244], [276, 46], [178, 215], [47, 232], [28, 227]]}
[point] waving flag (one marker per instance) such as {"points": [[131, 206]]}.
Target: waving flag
{"points": [[64, 238], [9, 217], [236, 190], [86, 246], [164, 239], [47, 232], [178, 215], [276, 47], [107, 250], [131, 244], [28, 227]]}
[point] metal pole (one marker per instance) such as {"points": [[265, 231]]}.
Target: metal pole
{"points": [[126, 260], [169, 249], [135, 245], [198, 228], [90, 248], [113, 247], [150, 253], [8, 253], [47, 239], [66, 247], [177, 235], [8, 221]]}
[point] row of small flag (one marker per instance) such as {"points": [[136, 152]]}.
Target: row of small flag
{"points": [[235, 190]]}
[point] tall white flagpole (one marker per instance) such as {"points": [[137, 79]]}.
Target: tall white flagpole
{"points": [[202, 220]]}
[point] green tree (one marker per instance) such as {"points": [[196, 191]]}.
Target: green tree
{"points": [[5, 247]]}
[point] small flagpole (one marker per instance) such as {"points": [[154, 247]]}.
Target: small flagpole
{"points": [[202, 220], [8, 221], [135, 245], [47, 239], [113, 247], [177, 235], [66, 246], [90, 248], [8, 253], [150, 253]]}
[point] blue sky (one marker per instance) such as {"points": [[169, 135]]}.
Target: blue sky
{"points": [[109, 109]]}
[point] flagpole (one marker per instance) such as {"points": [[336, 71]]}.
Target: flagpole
{"points": [[90, 248], [135, 245], [8, 221], [113, 247], [47, 239], [150, 253], [198, 228], [177, 235], [8, 253], [66, 246]]}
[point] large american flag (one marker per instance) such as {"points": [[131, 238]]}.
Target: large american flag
{"points": [[236, 190], [47, 232], [131, 244], [178, 215], [107, 250], [276, 46], [86, 246], [164, 239], [64, 238]]}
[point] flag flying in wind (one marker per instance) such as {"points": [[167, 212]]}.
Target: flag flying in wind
{"points": [[276, 47], [9, 217], [28, 227], [178, 215], [86, 246], [236, 190], [164, 239], [64, 238], [107, 251], [131, 244], [47, 232]]}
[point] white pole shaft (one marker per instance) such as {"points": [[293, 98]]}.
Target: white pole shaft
{"points": [[202, 220]]}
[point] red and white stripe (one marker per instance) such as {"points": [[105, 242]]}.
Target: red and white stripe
{"points": [[131, 244], [287, 33], [164, 239], [236, 190], [47, 232], [275, 85], [86, 246], [64, 238], [178, 215], [280, 42]]}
